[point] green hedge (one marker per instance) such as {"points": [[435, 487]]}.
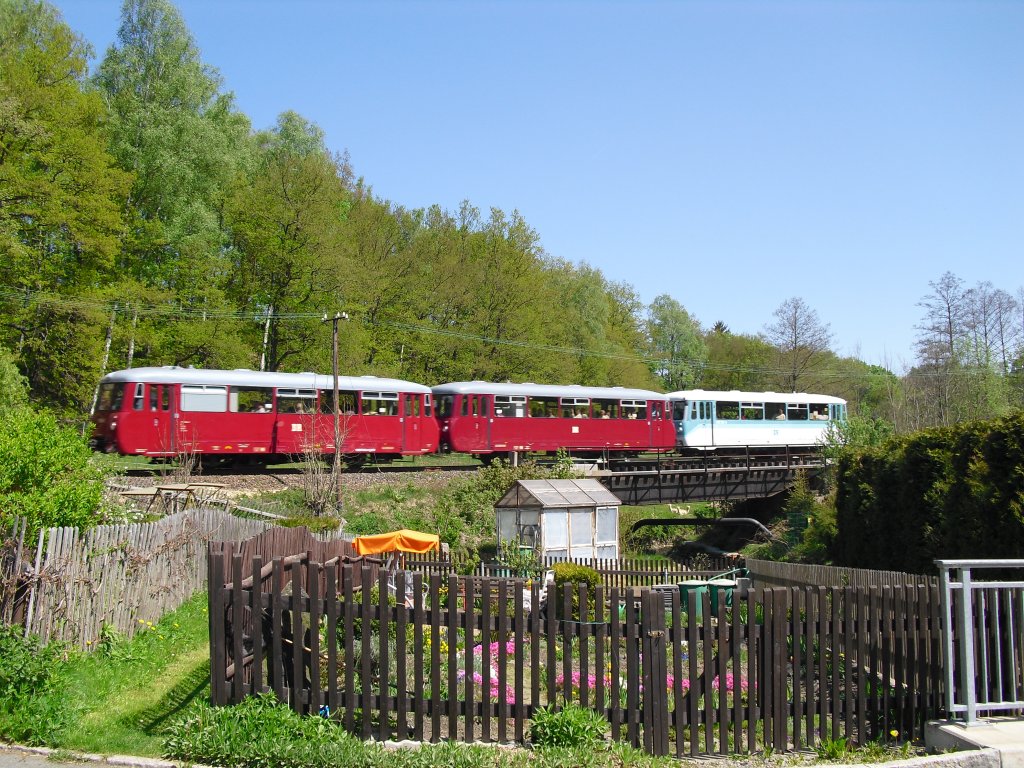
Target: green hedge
{"points": [[955, 492]]}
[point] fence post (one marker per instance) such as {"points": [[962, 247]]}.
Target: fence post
{"points": [[655, 695]]}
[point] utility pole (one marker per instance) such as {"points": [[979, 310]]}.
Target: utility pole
{"points": [[337, 405]]}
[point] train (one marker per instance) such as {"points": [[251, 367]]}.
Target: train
{"points": [[258, 416], [722, 420], [255, 416]]}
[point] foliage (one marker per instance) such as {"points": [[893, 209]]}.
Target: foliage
{"points": [[810, 524], [573, 575], [46, 473], [13, 390], [676, 344], [570, 726], [465, 510], [521, 563], [60, 221], [955, 492], [32, 707], [834, 749]]}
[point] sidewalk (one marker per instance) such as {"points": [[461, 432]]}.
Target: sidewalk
{"points": [[1003, 734]]}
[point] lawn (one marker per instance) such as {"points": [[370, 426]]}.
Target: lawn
{"points": [[123, 694]]}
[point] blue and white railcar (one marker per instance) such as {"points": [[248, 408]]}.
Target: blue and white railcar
{"points": [[710, 420]]}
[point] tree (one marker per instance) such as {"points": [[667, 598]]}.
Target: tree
{"points": [[185, 143], [285, 219], [945, 310], [676, 344], [736, 361], [60, 200], [801, 340]]}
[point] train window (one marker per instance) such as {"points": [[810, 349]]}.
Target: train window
{"points": [[752, 411], [819, 411], [138, 399], [634, 409], [203, 397], [796, 411], [426, 405], [154, 397], [479, 405], [346, 402], [605, 409], [111, 397], [296, 400], [165, 397], [412, 405], [510, 406], [445, 406], [575, 408], [465, 405], [380, 403], [544, 407], [727, 410], [775, 411], [251, 400]]}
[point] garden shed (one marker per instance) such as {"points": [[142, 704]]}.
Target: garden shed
{"points": [[560, 519]]}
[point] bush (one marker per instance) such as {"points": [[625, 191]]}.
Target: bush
{"points": [[46, 472], [955, 492], [573, 726], [32, 709], [574, 574]]}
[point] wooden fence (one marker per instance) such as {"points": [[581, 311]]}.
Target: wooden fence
{"points": [[622, 572], [776, 574], [68, 584], [780, 669]]}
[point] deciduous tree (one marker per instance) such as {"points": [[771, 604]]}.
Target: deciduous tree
{"points": [[801, 339]]}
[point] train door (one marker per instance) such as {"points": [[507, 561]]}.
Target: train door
{"points": [[699, 424], [412, 436], [475, 416], [159, 406]]}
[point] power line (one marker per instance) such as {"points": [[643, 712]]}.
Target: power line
{"points": [[260, 316]]}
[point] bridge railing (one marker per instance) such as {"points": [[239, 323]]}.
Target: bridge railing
{"points": [[983, 636]]}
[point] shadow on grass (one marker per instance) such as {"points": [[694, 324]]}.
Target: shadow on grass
{"points": [[195, 685]]}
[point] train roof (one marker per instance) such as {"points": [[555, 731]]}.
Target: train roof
{"points": [[752, 397], [545, 390], [242, 377]]}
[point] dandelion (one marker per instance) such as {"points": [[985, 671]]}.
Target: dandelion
{"points": [[894, 733]]}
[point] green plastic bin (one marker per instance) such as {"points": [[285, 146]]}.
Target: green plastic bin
{"points": [[697, 586], [721, 590]]}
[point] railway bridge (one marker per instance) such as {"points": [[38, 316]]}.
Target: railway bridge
{"points": [[751, 476]]}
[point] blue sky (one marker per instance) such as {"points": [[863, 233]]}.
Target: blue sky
{"points": [[730, 154]]}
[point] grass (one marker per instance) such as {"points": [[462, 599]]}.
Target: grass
{"points": [[125, 694]]}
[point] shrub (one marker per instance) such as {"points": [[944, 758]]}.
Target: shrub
{"points": [[574, 574], [32, 697], [46, 472], [573, 726]]}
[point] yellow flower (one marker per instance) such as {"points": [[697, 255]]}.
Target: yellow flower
{"points": [[894, 733]]}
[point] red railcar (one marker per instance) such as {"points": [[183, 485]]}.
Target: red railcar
{"points": [[497, 419], [168, 411]]}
